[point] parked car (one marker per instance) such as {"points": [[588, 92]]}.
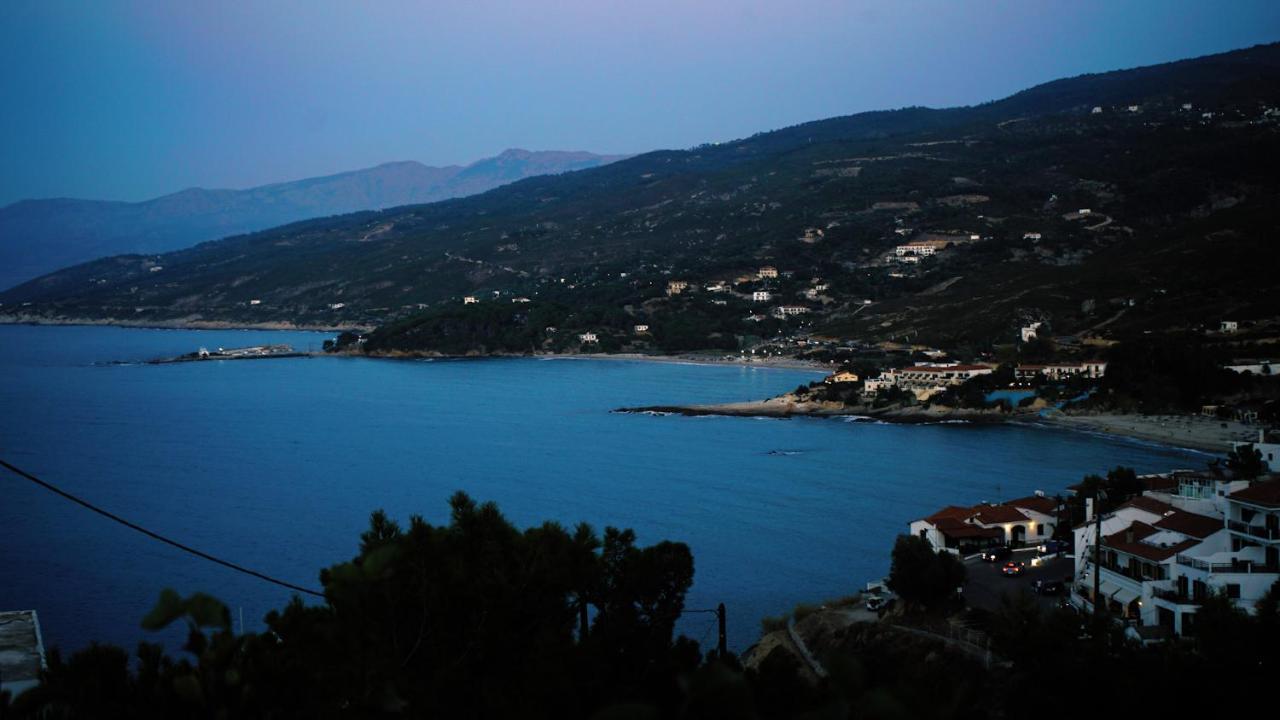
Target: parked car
{"points": [[1013, 568], [1048, 587], [1053, 547], [876, 603], [996, 554]]}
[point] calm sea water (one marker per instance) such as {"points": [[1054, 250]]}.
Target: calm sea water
{"points": [[276, 464]]}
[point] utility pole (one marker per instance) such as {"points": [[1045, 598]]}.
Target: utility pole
{"points": [[1099, 607], [722, 646]]}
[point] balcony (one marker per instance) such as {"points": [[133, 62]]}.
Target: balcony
{"points": [[1240, 567], [1175, 597], [1257, 531]]}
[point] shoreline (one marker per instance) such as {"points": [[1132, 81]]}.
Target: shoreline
{"points": [[1192, 433]]}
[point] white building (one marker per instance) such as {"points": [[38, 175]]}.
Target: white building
{"points": [[675, 287], [922, 248], [470, 300], [966, 530], [1268, 447], [641, 329], [1092, 369], [22, 655], [1029, 331], [1164, 552], [521, 299], [767, 271], [784, 311], [1229, 326], [930, 379], [588, 338], [1035, 236], [761, 296]]}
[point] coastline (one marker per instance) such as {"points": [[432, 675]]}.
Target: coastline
{"points": [[1184, 432]]}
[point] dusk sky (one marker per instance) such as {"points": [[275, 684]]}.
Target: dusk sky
{"points": [[126, 101]]}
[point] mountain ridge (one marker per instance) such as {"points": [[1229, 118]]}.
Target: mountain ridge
{"points": [[41, 235]]}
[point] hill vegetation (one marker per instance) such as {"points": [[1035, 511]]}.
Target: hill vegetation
{"points": [[1104, 206]]}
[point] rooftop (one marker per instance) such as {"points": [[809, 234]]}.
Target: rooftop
{"points": [[1265, 493], [21, 650], [1148, 542]]}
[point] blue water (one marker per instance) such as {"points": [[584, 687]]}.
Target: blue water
{"points": [[276, 464]]}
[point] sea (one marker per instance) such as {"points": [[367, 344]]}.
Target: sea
{"points": [[276, 464]]}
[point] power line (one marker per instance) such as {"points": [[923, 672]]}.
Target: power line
{"points": [[154, 535]]}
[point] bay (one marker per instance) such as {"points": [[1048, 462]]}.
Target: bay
{"points": [[276, 464]]}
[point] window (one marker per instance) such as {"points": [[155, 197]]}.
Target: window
{"points": [[1040, 529]]}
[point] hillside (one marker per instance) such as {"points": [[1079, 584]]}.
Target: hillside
{"points": [[1174, 168], [39, 236]]}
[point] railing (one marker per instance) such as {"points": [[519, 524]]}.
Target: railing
{"points": [[1175, 597], [1135, 575], [1244, 567], [1257, 531]]}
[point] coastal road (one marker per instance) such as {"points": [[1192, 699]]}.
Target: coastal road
{"points": [[986, 584]]}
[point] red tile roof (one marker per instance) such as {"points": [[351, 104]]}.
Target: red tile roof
{"points": [[998, 514], [1150, 504], [1265, 493], [959, 529], [1043, 505], [1187, 523], [946, 369], [951, 511], [1133, 545]]}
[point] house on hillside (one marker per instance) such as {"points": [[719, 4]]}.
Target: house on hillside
{"points": [[470, 300], [1092, 369], [761, 296], [785, 311], [843, 376], [641, 329], [767, 272], [966, 530], [675, 287], [588, 338]]}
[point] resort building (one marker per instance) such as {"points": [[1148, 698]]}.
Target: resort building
{"points": [[1092, 369], [470, 300], [768, 271], [920, 248]]}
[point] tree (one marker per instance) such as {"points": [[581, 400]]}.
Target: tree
{"points": [[921, 576], [1246, 461]]}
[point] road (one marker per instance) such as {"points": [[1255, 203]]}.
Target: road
{"points": [[986, 584]]}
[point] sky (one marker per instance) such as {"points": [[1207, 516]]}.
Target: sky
{"points": [[131, 100]]}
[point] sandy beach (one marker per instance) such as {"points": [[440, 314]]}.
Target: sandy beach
{"points": [[1196, 432]]}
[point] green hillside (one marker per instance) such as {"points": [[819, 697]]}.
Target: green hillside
{"points": [[1176, 170]]}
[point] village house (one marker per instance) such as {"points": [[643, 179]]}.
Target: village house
{"points": [[588, 338], [1228, 326], [784, 311], [675, 287], [761, 296], [1092, 369], [843, 376], [470, 300], [1033, 236], [641, 329], [520, 299], [767, 271], [967, 530], [1029, 331], [718, 286], [811, 235]]}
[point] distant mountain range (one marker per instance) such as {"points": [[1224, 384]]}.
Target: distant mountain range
{"points": [[1112, 204], [39, 236]]}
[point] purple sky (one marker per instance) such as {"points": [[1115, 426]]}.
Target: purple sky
{"points": [[129, 100]]}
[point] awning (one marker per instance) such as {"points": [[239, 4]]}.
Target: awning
{"points": [[1124, 596]]}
